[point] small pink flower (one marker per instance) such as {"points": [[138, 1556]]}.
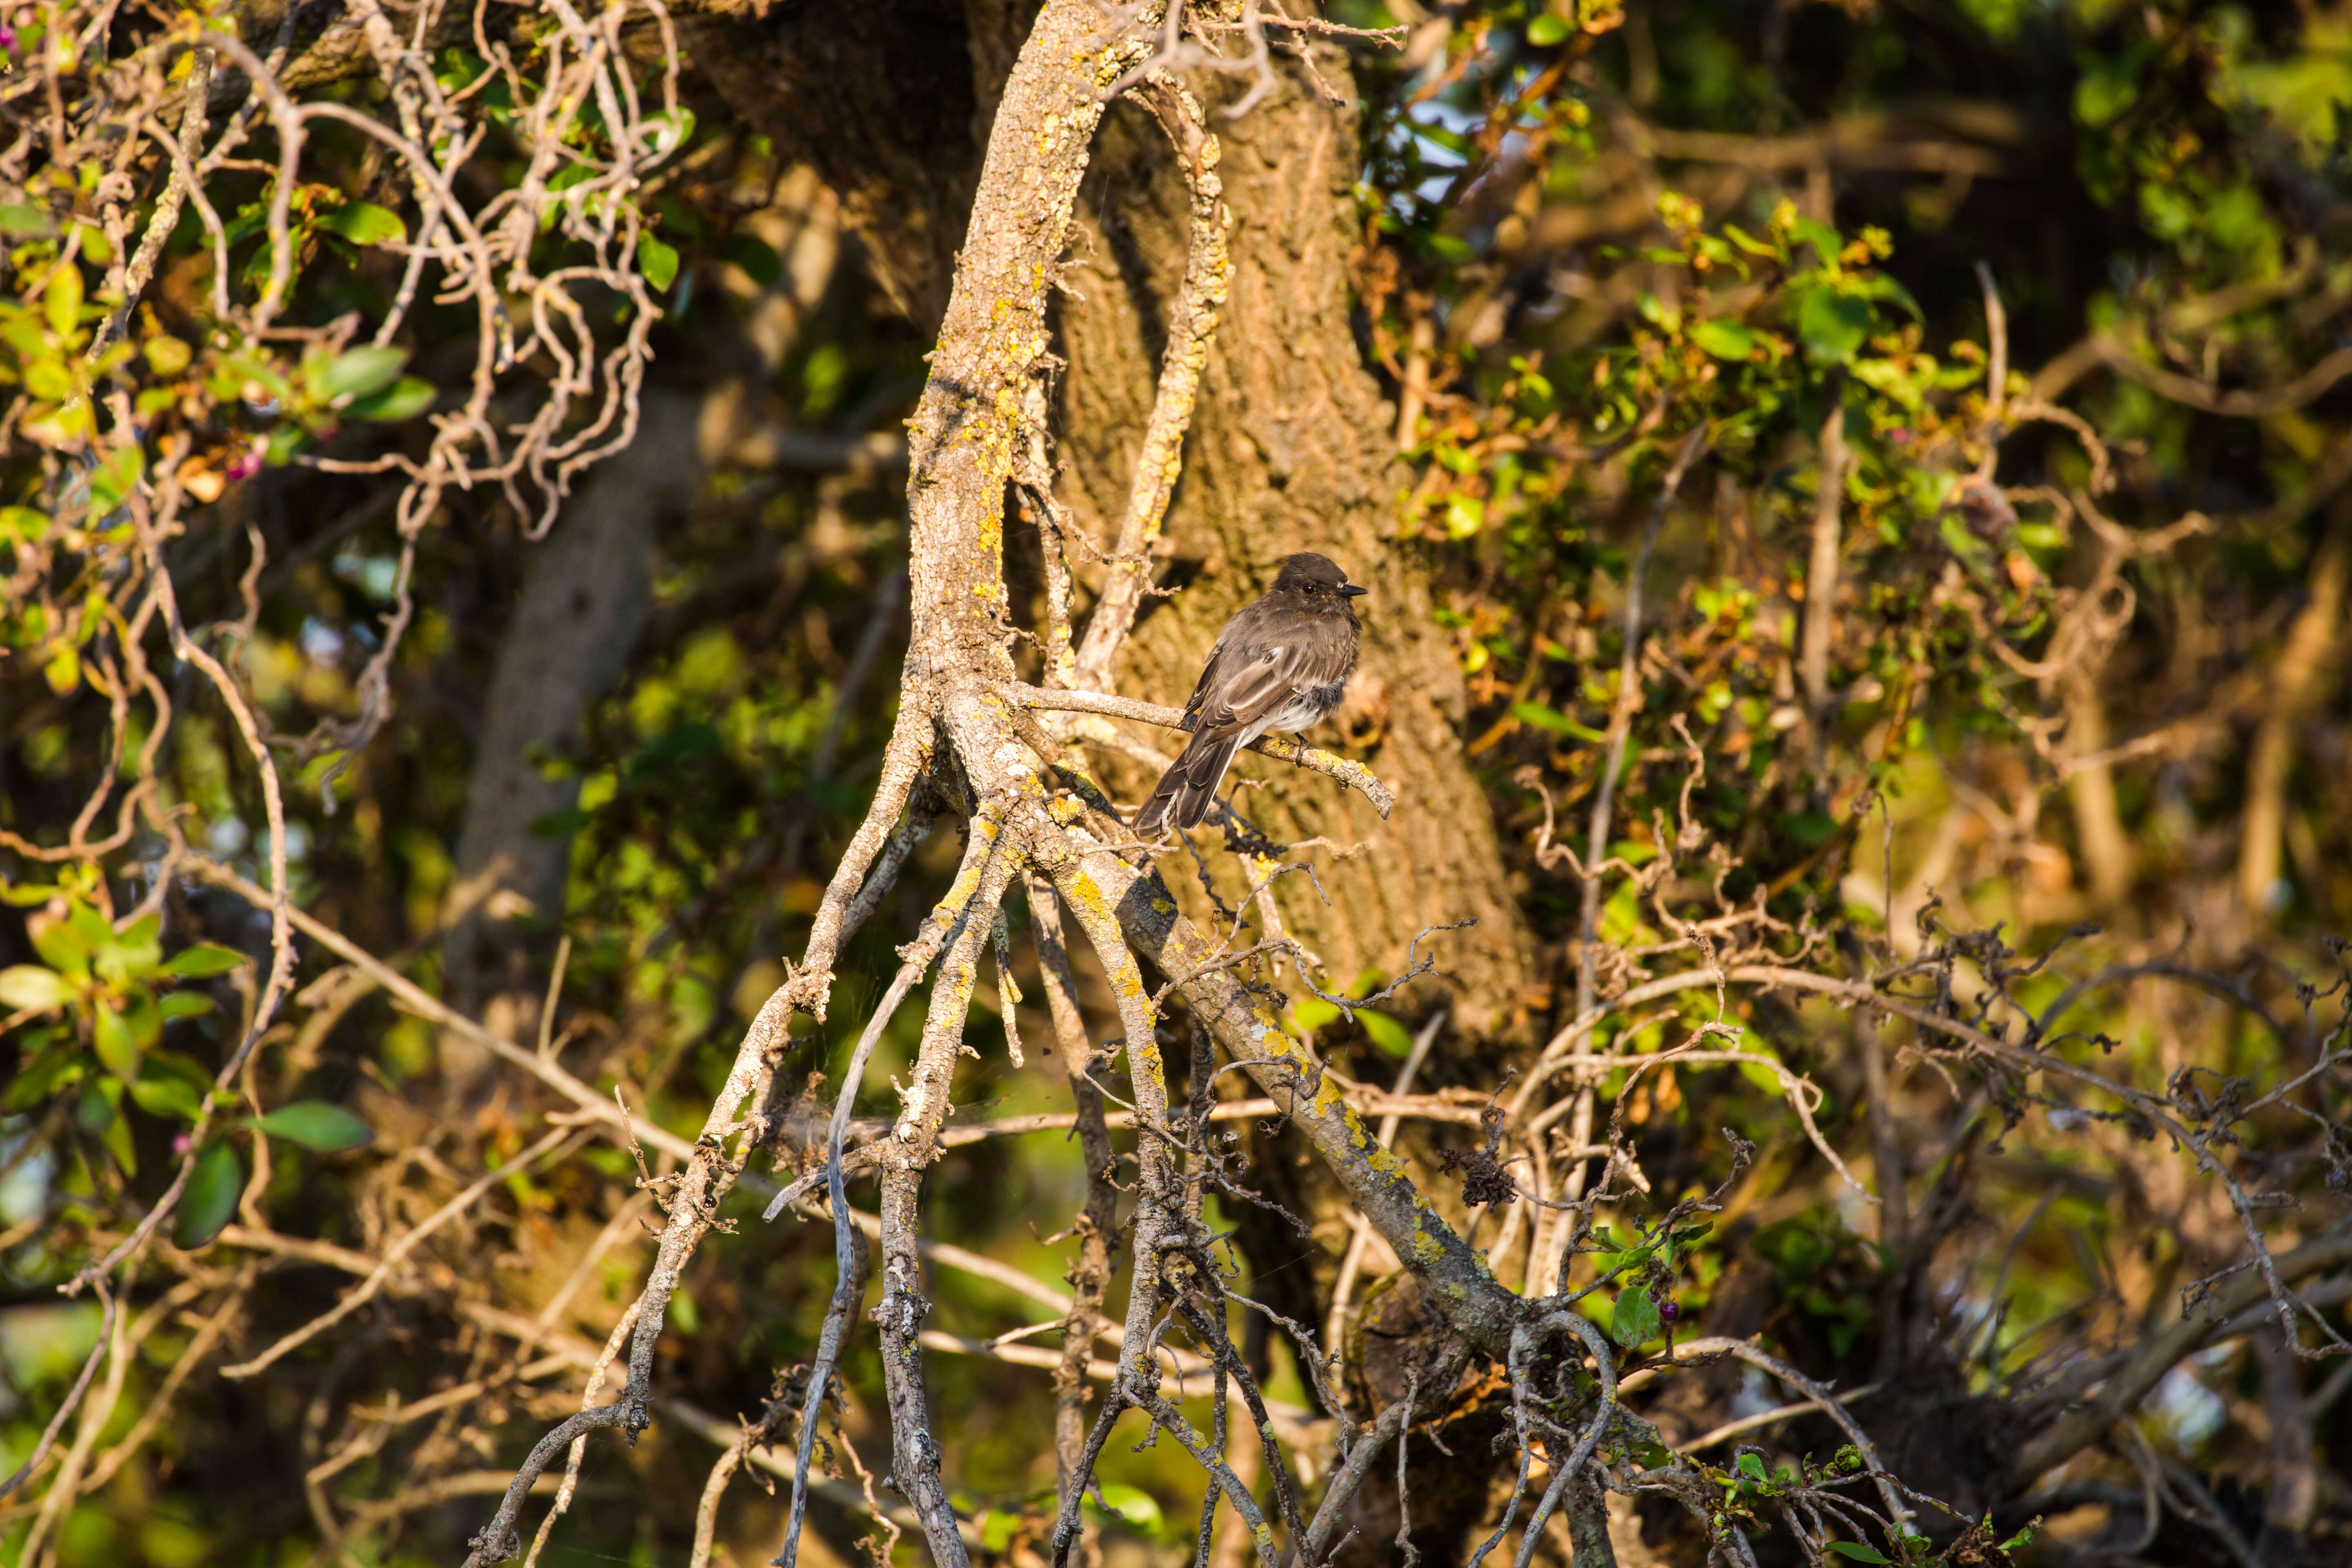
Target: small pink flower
{"points": [[181, 1145], [245, 464]]}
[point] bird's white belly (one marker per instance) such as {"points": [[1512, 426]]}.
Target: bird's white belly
{"points": [[1304, 711]]}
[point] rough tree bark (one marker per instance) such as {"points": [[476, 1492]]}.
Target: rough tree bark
{"points": [[1290, 449]]}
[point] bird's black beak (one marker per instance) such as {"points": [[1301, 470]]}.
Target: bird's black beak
{"points": [[1349, 591]]}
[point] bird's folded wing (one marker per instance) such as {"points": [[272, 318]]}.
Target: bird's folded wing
{"points": [[1253, 682]]}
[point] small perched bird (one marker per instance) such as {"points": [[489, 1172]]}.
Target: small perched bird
{"points": [[1280, 663]]}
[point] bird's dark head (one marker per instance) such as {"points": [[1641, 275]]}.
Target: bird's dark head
{"points": [[1317, 576]]}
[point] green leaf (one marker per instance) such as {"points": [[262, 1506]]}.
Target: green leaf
{"points": [[2108, 87], [92, 930], [23, 985], [322, 1127], [1832, 324], [167, 1095], [1882, 287], [49, 380], [1133, 1506], [404, 399], [1751, 1467], [1853, 1549], [1385, 1032], [116, 1048], [1725, 340], [1465, 515], [62, 300], [1547, 30], [112, 482], [146, 1024], [356, 373], [364, 223], [210, 1200], [50, 1065], [756, 256], [62, 949], [1893, 379], [184, 1004], [658, 261], [202, 962], [22, 222], [139, 937], [458, 68], [1544, 717], [996, 1527], [1635, 1321], [1312, 1013], [2021, 1538], [23, 525], [1819, 236], [114, 1133]]}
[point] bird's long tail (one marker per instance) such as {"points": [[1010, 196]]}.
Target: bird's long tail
{"points": [[1185, 790]]}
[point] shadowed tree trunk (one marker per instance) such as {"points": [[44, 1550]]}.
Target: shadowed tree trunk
{"points": [[584, 599], [1290, 449]]}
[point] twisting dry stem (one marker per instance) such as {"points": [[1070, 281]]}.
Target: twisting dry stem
{"points": [[1349, 1477], [152, 529], [991, 861], [569, 1484], [1159, 1221], [1548, 1248], [361, 1294], [1246, 1028], [168, 205], [72, 1400], [904, 760], [1565, 1471], [710, 1170], [848, 1244], [1097, 1222]]}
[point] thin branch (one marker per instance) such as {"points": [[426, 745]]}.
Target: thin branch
{"points": [[1355, 775]]}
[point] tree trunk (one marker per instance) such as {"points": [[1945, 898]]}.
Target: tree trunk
{"points": [[890, 100], [586, 592], [585, 596], [1290, 450], [2307, 670]]}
